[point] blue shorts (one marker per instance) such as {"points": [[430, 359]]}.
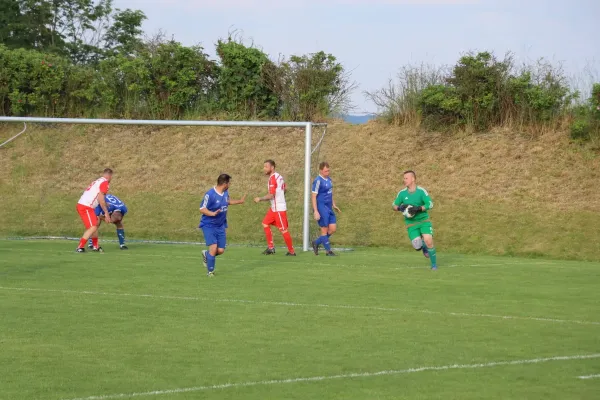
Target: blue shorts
{"points": [[214, 235], [327, 217]]}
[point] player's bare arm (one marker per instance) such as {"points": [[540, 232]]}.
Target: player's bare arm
{"points": [[335, 207], [102, 202], [317, 216], [240, 201], [264, 198], [209, 213]]}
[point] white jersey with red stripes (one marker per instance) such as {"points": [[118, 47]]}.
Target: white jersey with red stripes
{"points": [[89, 198], [277, 189]]}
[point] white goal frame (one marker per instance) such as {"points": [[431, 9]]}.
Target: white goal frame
{"points": [[266, 124]]}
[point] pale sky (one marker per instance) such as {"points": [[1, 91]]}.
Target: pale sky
{"points": [[374, 38]]}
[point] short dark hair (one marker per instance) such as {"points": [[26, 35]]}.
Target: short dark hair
{"points": [[222, 179], [410, 171], [107, 171], [323, 165], [270, 162]]}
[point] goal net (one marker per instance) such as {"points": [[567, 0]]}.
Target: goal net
{"points": [[162, 170]]}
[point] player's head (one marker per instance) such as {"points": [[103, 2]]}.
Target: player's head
{"points": [[107, 173], [324, 169], [410, 177], [269, 167], [223, 181]]}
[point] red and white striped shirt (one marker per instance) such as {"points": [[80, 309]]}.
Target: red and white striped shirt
{"points": [[277, 189], [89, 198]]}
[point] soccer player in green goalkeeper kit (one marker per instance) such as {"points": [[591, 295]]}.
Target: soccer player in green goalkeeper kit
{"points": [[414, 203]]}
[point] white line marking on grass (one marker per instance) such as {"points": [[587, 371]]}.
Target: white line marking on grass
{"points": [[341, 376], [589, 376], [292, 304]]}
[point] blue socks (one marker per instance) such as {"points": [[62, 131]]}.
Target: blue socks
{"points": [[121, 236], [210, 262], [324, 240]]}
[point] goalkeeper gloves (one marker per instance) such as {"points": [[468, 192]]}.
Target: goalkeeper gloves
{"points": [[412, 210], [402, 207]]}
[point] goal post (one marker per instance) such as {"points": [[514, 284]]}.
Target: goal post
{"points": [[257, 124]]}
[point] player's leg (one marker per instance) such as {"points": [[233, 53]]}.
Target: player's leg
{"points": [[331, 229], [324, 227], [117, 219], [426, 230], [209, 256], [90, 221], [282, 224], [414, 235], [93, 240], [270, 219]]}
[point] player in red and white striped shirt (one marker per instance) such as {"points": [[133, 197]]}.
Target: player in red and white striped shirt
{"points": [[277, 214], [90, 199]]}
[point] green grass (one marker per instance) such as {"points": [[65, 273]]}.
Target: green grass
{"points": [[149, 319]]}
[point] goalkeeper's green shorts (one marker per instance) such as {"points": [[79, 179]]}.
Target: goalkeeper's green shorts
{"points": [[418, 229]]}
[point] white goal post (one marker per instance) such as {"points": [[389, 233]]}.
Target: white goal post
{"points": [[307, 144]]}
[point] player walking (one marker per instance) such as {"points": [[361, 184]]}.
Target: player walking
{"points": [[91, 198], [214, 220], [414, 202], [117, 210], [323, 207], [277, 214]]}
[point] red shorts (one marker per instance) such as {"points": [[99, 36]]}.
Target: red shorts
{"points": [[277, 218], [88, 216]]}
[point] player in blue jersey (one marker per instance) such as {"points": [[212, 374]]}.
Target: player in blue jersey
{"points": [[214, 220], [323, 207], [116, 211]]}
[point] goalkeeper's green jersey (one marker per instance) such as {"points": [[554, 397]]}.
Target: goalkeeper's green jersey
{"points": [[418, 198]]}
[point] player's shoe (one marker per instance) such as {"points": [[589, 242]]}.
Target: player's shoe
{"points": [[269, 252], [434, 267], [204, 260], [80, 250], [291, 254], [425, 251], [210, 274], [315, 247], [98, 249], [330, 254], [123, 247], [91, 246]]}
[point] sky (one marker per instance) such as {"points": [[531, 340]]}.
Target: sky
{"points": [[375, 38]]}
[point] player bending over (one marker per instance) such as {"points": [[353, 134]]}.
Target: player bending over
{"points": [[117, 210], [323, 206], [413, 202], [91, 198], [277, 214], [214, 220]]}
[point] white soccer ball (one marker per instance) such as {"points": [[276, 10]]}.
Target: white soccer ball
{"points": [[405, 212]]}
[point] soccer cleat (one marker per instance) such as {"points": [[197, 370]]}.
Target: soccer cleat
{"points": [[91, 246], [80, 250], [269, 252], [210, 274], [315, 247], [291, 254], [425, 251], [98, 250], [123, 247], [434, 267], [204, 260], [330, 254]]}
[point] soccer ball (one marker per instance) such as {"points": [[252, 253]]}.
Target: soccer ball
{"points": [[406, 213]]}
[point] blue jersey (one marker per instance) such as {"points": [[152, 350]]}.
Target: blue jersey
{"points": [[214, 201], [323, 188], [113, 203]]}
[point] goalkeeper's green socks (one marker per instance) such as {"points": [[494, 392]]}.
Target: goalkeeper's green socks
{"points": [[432, 256]]}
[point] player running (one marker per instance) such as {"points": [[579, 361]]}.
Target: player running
{"points": [[415, 201], [323, 207], [214, 220], [91, 198], [117, 210], [277, 214]]}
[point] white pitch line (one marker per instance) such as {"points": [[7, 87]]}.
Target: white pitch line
{"points": [[589, 376], [315, 305], [341, 376]]}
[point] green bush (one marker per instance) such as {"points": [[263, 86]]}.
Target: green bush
{"points": [[586, 118]]}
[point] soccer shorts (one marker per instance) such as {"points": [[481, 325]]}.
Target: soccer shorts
{"points": [[88, 216], [327, 217], [277, 218], [215, 235], [419, 229]]}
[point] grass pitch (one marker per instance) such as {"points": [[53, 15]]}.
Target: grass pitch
{"points": [[370, 324]]}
